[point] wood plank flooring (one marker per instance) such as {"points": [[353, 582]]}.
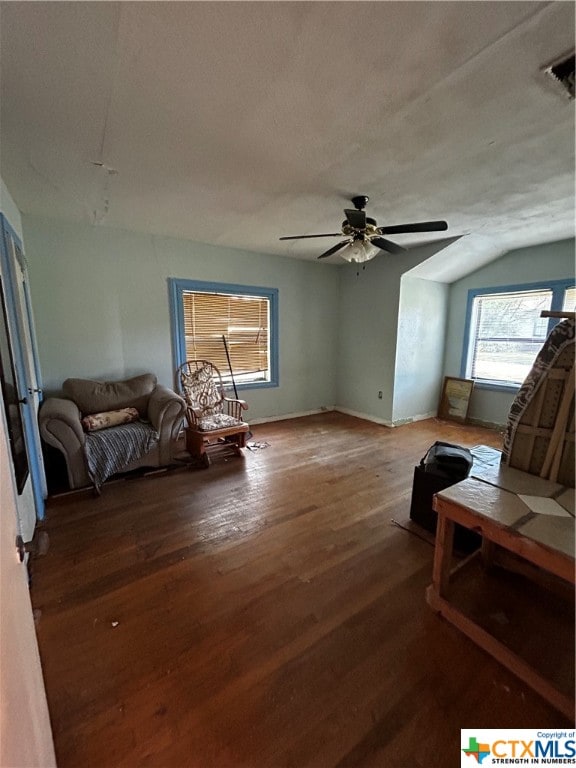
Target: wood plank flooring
{"points": [[264, 612]]}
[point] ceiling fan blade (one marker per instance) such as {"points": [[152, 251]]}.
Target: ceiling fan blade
{"points": [[423, 226], [356, 219], [387, 245], [304, 237], [334, 248]]}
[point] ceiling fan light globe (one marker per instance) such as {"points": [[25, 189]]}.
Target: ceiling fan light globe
{"points": [[359, 251]]}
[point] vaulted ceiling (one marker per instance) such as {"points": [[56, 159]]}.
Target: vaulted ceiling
{"points": [[233, 123]]}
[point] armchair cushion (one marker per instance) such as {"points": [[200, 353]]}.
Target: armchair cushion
{"points": [[97, 396], [97, 421]]}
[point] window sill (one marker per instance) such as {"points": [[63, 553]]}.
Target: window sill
{"points": [[495, 387], [250, 385]]}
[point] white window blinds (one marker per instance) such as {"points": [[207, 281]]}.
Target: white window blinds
{"points": [[245, 323], [569, 300], [507, 333]]}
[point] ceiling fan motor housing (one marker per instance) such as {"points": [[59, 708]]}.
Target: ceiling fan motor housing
{"points": [[370, 228], [360, 202]]}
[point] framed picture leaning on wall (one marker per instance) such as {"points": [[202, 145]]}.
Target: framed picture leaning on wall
{"points": [[455, 399]]}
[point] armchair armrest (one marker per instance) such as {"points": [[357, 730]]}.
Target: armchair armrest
{"points": [[235, 407], [60, 426], [56, 410], [166, 411], [193, 416]]}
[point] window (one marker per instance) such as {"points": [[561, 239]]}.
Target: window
{"points": [[206, 314], [569, 303], [506, 332]]}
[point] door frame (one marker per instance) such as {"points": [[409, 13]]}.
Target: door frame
{"points": [[28, 382]]}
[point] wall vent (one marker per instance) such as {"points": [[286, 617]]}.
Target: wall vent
{"points": [[562, 73]]}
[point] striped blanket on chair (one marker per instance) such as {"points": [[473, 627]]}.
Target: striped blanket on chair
{"points": [[111, 450]]}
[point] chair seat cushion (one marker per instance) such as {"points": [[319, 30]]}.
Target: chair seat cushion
{"points": [[218, 421]]}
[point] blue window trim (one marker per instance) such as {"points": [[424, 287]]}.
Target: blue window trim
{"points": [[176, 286], [558, 288]]}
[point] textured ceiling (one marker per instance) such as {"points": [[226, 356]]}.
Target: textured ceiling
{"points": [[233, 123]]}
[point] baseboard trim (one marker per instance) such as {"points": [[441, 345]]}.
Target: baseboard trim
{"points": [[486, 424], [386, 422], [412, 419], [358, 415], [296, 415], [365, 416]]}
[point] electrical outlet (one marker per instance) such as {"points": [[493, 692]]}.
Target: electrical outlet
{"points": [[380, 395]]}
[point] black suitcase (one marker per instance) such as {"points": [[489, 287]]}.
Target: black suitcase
{"points": [[443, 465]]}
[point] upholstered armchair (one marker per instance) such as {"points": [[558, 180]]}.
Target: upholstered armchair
{"points": [[137, 414]]}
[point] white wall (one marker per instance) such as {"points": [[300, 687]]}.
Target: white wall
{"points": [[100, 298], [552, 261], [420, 348]]}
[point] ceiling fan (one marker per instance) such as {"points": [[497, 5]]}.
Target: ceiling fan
{"points": [[364, 237]]}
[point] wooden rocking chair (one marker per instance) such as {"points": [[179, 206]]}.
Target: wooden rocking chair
{"points": [[212, 418]]}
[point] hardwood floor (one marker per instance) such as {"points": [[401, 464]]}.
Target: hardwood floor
{"points": [[264, 612]]}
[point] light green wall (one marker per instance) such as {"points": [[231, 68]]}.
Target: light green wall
{"points": [[420, 348], [367, 339], [552, 261], [367, 343], [100, 298]]}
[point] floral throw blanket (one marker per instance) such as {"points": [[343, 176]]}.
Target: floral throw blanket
{"points": [[109, 451]]}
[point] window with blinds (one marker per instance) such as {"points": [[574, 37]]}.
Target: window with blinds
{"points": [[507, 332], [243, 321], [569, 304], [205, 314]]}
